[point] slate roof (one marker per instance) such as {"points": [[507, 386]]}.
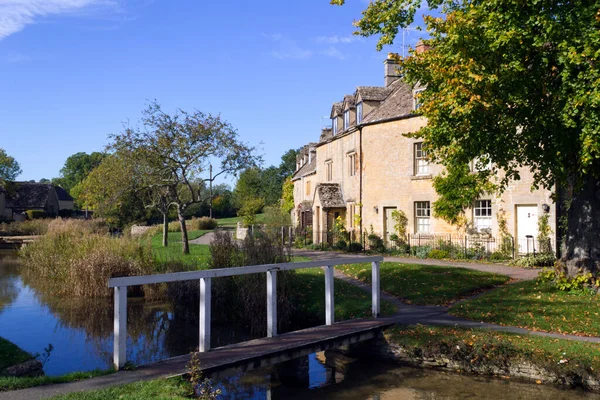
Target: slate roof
{"points": [[350, 101], [336, 109], [399, 103], [62, 194], [30, 195], [305, 206], [306, 169], [330, 195], [374, 93], [326, 133]]}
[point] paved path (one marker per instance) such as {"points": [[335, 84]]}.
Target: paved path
{"points": [[204, 239], [513, 272]]}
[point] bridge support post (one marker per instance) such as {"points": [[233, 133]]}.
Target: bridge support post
{"points": [[120, 327], [205, 311], [329, 304], [271, 303], [375, 285]]}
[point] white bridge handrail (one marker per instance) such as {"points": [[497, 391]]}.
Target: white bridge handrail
{"points": [[120, 285]]}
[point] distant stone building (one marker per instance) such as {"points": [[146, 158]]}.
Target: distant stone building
{"points": [[363, 168], [18, 197]]}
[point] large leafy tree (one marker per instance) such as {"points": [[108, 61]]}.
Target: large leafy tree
{"points": [[9, 167], [515, 84], [76, 169], [177, 151]]}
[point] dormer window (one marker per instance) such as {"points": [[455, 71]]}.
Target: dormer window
{"points": [[346, 119], [359, 113], [417, 102], [334, 127]]}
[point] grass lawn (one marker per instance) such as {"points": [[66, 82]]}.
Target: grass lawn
{"points": [[9, 383], [350, 301], [232, 222], [426, 284], [198, 253], [474, 345], [11, 354], [536, 306], [174, 388]]}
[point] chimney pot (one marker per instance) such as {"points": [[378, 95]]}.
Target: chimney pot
{"points": [[390, 69], [421, 47]]}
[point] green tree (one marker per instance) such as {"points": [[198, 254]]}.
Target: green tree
{"points": [[248, 186], [76, 169], [287, 196], [176, 151], [9, 167], [513, 84], [112, 191]]}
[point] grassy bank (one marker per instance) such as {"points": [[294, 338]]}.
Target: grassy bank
{"points": [[172, 253], [174, 389], [350, 301], [11, 354], [536, 306], [9, 383], [426, 284], [496, 353]]}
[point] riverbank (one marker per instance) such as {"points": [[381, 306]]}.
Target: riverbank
{"points": [[561, 362]]}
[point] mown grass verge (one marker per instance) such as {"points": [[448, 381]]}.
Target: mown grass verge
{"points": [[173, 388], [197, 259], [232, 222], [11, 354], [499, 353], [537, 306], [426, 284], [350, 301], [11, 383]]}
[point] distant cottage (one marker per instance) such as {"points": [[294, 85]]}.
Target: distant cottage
{"points": [[18, 197], [363, 169]]}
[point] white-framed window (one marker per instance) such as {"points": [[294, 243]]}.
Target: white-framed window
{"points": [[329, 170], [352, 164], [482, 215], [346, 119], [334, 127], [416, 101], [422, 217], [359, 113], [420, 159]]}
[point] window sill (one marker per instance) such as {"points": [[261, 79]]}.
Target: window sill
{"points": [[420, 177]]}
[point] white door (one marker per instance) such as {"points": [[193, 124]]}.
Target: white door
{"points": [[527, 225], [388, 223]]}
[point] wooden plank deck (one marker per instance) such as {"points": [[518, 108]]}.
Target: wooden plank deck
{"points": [[269, 351]]}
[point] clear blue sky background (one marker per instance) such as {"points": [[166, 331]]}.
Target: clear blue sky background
{"points": [[72, 71]]}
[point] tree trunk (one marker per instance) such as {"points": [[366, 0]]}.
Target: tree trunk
{"points": [[185, 246], [581, 244], [165, 241]]}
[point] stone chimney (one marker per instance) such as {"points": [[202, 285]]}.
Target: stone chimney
{"points": [[326, 133], [391, 73], [422, 47]]}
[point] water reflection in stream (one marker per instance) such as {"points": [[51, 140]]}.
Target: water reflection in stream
{"points": [[81, 333]]}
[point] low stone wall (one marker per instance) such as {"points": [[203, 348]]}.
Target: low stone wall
{"points": [[383, 348]]}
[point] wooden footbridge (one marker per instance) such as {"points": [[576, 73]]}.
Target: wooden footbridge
{"points": [[251, 354]]}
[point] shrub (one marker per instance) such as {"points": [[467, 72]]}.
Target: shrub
{"points": [[174, 226], [421, 251], [25, 228], [537, 260], [376, 243], [73, 259], [249, 209], [438, 254], [498, 256], [340, 245], [561, 281], [36, 214], [242, 298], [355, 247], [204, 223]]}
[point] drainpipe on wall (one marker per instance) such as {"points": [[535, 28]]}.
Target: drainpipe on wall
{"points": [[360, 185]]}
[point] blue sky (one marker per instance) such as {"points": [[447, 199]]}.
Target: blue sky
{"points": [[72, 71]]}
